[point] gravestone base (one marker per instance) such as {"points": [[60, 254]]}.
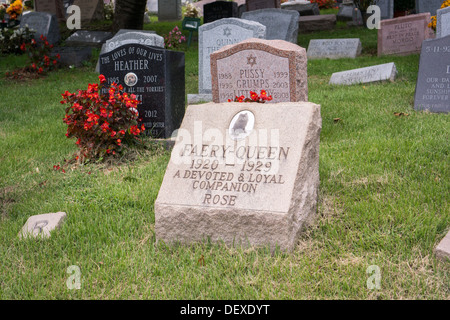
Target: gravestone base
{"points": [[199, 98], [316, 23], [266, 215]]}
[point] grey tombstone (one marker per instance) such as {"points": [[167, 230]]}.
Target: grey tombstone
{"points": [[280, 24], [431, 6], [215, 35], [40, 226], [169, 10], [387, 8], [90, 9], [345, 12], [152, 6], [305, 9], [44, 23], [88, 38], [334, 48], [126, 36], [443, 22], [381, 72], [73, 55], [433, 81], [55, 7], [261, 4]]}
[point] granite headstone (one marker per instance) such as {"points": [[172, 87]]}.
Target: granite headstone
{"points": [[215, 35], [381, 72], [433, 80], [243, 174], [218, 10], [169, 10], [88, 38], [41, 225], [430, 6], [90, 10], [156, 77], [403, 35], [443, 22], [44, 24], [305, 9], [280, 24], [55, 7], [277, 66], [251, 5], [334, 48]]}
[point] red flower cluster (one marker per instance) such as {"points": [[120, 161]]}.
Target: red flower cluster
{"points": [[101, 122], [325, 4], [254, 97], [39, 55]]}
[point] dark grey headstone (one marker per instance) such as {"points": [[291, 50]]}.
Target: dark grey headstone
{"points": [[73, 55], [169, 10], [55, 7], [433, 81], [44, 23], [430, 6], [280, 24], [305, 9], [241, 9], [262, 4], [160, 83], [88, 38], [218, 10]]}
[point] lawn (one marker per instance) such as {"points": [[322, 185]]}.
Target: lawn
{"points": [[383, 199]]}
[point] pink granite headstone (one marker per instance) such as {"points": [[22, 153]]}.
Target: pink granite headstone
{"points": [[277, 66], [403, 35]]}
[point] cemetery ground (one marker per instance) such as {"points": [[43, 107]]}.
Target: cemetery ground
{"points": [[383, 199]]}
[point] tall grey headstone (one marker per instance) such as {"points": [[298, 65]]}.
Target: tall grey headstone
{"points": [[430, 6], [280, 24], [44, 23], [169, 10], [443, 22], [215, 35], [387, 8], [433, 81]]}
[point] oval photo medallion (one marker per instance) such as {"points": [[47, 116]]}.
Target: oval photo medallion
{"points": [[130, 79], [241, 125]]}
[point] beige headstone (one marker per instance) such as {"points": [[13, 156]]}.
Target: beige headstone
{"points": [[40, 225], [242, 173]]}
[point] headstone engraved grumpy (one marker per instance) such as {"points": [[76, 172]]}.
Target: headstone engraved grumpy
{"points": [[241, 175], [403, 35], [431, 6], [44, 23], [262, 4], [433, 81], [334, 48], [381, 72], [213, 36], [280, 24], [40, 226], [218, 10], [277, 66], [156, 77], [55, 7], [443, 22]]}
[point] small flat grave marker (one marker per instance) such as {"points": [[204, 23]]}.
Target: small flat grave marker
{"points": [[381, 72], [40, 226], [334, 48]]}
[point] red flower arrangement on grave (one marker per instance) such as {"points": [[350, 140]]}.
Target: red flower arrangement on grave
{"points": [[254, 97], [103, 124], [325, 4]]}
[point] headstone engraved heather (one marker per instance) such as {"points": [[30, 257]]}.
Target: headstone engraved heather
{"points": [[242, 176], [55, 7], [90, 10], [443, 22], [431, 6], [381, 72], [433, 80], [218, 10], [40, 226], [334, 48], [44, 23], [213, 36], [280, 24], [403, 35], [156, 77], [169, 10], [261, 4], [277, 66]]}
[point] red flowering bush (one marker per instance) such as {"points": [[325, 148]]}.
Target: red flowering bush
{"points": [[102, 123], [325, 4], [254, 97]]}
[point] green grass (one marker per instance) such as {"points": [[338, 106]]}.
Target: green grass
{"points": [[384, 186]]}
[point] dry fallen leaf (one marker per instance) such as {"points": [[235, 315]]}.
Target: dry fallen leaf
{"points": [[337, 119], [399, 114], [201, 261]]}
